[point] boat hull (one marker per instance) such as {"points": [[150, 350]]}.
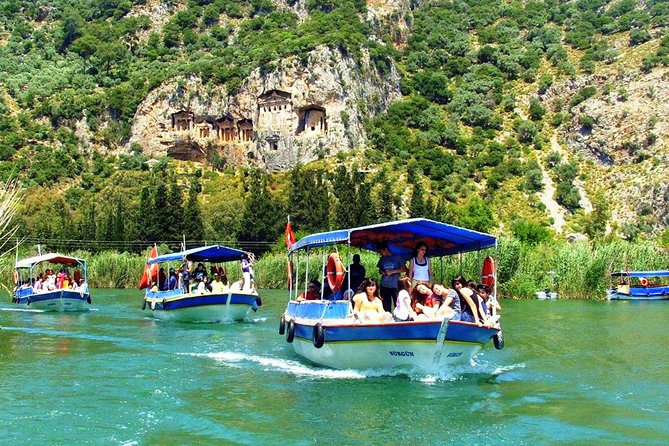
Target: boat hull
{"points": [[640, 294], [426, 346], [57, 300], [200, 307]]}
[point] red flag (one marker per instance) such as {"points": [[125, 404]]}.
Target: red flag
{"points": [[150, 270], [290, 237]]}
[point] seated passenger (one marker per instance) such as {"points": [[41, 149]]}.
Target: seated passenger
{"points": [[450, 302], [237, 286], [313, 291], [367, 305], [425, 304], [487, 305], [172, 281], [403, 311], [216, 284], [468, 301]]}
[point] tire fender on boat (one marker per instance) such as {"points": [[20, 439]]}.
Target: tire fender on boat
{"points": [[290, 333], [498, 340], [335, 272], [88, 299], [144, 304], [164, 304], [27, 301], [259, 301], [318, 336], [643, 281], [282, 325]]}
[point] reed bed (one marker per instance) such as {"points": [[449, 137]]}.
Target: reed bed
{"points": [[581, 269]]}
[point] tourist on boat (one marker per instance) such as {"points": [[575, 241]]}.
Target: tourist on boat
{"points": [[184, 276], [487, 304], [50, 280], [246, 271], [313, 291], [356, 272], [390, 266], [216, 284], [237, 286], [82, 287], [450, 302], [162, 279], [403, 311], [420, 267], [367, 305], [172, 281], [470, 311], [37, 287], [425, 303]]}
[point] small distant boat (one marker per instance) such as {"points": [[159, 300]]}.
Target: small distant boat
{"points": [[546, 294], [327, 333], [48, 295], [639, 285], [179, 305]]}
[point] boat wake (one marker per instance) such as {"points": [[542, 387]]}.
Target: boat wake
{"points": [[23, 310], [281, 365]]}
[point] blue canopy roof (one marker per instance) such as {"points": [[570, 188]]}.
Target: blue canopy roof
{"points": [[402, 237], [214, 253], [641, 274]]}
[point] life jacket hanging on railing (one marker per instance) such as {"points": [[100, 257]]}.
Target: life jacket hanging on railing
{"points": [[335, 272]]}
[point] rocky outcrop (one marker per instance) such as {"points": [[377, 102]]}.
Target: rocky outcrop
{"points": [[305, 109]]}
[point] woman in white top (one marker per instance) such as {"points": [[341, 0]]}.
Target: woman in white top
{"points": [[403, 311], [420, 267]]}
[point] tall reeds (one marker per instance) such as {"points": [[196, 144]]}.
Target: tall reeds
{"points": [[581, 270]]}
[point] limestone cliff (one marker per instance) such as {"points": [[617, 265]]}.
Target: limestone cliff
{"points": [[304, 109]]}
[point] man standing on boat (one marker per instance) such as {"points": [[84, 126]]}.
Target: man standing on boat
{"points": [[390, 266]]}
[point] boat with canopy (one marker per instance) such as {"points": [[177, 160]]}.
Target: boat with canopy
{"points": [[39, 287], [325, 331], [193, 305], [639, 285]]}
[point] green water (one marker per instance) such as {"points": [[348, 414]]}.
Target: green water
{"points": [[573, 372]]}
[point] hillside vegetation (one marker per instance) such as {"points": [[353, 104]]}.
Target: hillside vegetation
{"points": [[501, 100]]}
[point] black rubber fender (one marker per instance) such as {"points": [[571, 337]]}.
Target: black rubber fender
{"points": [[318, 336], [28, 301], [498, 340], [144, 304], [164, 304], [282, 325], [88, 299], [259, 301], [290, 332]]}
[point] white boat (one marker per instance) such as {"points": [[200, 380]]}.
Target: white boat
{"points": [[76, 297], [546, 294], [326, 332], [179, 305], [639, 285]]}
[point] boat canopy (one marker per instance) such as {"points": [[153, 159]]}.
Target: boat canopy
{"points": [[402, 236], [214, 253], [55, 258], [640, 274]]}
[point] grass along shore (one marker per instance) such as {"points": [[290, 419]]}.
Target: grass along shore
{"points": [[581, 269]]}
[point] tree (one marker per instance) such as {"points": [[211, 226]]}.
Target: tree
{"points": [[262, 217], [85, 47], [193, 223], [10, 197], [343, 188]]}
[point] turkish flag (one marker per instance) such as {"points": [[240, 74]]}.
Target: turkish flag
{"points": [[150, 270], [290, 237]]}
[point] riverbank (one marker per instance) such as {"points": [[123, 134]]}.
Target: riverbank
{"points": [[581, 269]]}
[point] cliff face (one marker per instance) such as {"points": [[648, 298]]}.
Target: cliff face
{"points": [[623, 130], [301, 111]]}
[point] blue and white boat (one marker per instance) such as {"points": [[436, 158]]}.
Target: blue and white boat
{"points": [[75, 297], [178, 305], [326, 332], [639, 285]]}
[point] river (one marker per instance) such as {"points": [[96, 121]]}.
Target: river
{"points": [[572, 372]]}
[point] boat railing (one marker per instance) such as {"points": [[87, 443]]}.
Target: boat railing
{"points": [[319, 309]]}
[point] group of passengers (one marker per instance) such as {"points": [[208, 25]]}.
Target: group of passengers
{"points": [[49, 280], [414, 297], [198, 281]]}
